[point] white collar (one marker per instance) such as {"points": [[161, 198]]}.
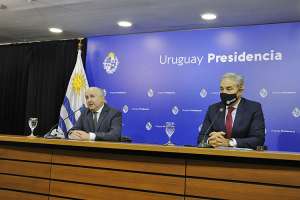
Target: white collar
{"points": [[235, 105], [100, 109]]}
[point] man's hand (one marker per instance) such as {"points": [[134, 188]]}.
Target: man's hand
{"points": [[79, 135], [217, 139]]}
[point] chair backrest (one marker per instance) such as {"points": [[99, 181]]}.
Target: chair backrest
{"points": [[125, 139]]}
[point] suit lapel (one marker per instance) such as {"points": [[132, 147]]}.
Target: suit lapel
{"points": [[90, 120], [238, 116], [221, 119], [102, 116]]}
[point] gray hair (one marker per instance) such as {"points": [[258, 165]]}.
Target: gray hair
{"points": [[238, 79]]}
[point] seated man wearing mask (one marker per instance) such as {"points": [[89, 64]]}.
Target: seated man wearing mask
{"points": [[235, 121], [98, 121]]}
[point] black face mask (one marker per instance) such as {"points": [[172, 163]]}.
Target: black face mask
{"points": [[228, 99]]}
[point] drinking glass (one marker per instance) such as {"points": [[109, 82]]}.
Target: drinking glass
{"points": [[170, 129], [32, 122]]}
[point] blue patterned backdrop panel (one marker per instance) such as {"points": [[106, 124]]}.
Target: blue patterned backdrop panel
{"points": [[155, 78]]}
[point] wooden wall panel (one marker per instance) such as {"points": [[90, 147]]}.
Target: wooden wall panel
{"points": [[25, 153], [159, 183], [25, 168], [234, 190], [13, 195], [114, 171], [24, 183], [58, 198], [81, 191], [261, 173], [163, 165]]}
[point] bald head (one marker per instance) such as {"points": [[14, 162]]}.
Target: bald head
{"points": [[94, 98], [95, 90]]}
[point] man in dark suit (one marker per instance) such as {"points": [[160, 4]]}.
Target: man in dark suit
{"points": [[235, 121], [98, 121]]}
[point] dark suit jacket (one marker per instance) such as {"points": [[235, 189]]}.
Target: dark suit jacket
{"points": [[248, 128], [109, 124]]}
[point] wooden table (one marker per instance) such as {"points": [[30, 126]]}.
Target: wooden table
{"points": [[37, 168]]}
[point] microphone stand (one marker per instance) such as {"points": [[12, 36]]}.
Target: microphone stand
{"points": [[48, 135], [203, 143]]}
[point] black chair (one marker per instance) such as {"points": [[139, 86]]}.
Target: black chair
{"points": [[125, 139]]}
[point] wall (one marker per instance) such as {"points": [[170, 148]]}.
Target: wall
{"points": [[174, 76]]}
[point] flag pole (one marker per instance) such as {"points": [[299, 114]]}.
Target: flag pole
{"points": [[74, 98]]}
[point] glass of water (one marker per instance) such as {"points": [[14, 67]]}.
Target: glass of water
{"points": [[32, 122], [170, 129]]}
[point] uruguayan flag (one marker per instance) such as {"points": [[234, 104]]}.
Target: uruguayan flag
{"points": [[74, 99]]}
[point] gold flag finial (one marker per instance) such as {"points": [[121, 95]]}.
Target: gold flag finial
{"points": [[80, 43]]}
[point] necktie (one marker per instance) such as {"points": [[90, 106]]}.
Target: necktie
{"points": [[229, 122], [95, 119]]}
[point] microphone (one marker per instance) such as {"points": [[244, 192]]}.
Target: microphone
{"points": [[49, 134], [203, 143]]}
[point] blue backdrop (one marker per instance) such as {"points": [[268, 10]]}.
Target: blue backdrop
{"points": [[162, 77]]}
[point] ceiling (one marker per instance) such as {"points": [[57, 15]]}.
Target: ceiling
{"points": [[29, 20]]}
